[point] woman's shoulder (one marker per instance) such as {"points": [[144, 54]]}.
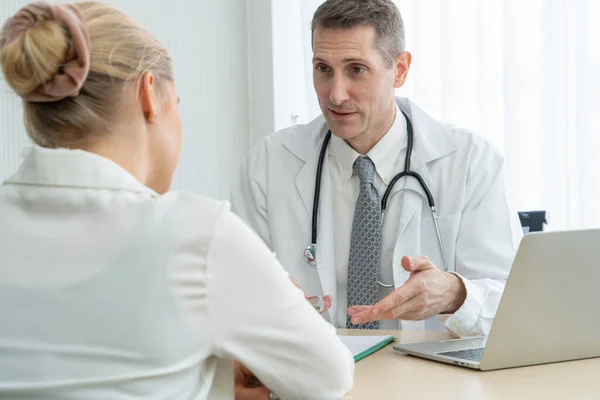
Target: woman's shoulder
{"points": [[212, 221], [196, 215], [194, 202], [192, 208]]}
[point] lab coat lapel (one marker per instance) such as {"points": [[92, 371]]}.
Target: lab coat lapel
{"points": [[431, 141], [325, 246], [407, 199], [305, 185], [307, 146], [405, 205]]}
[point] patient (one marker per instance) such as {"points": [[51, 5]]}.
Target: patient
{"points": [[110, 287]]}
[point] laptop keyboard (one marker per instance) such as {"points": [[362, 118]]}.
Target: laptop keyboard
{"points": [[469, 354]]}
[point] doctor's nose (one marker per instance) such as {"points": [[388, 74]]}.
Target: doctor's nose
{"points": [[338, 93]]}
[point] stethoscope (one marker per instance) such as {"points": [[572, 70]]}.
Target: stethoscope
{"points": [[310, 253]]}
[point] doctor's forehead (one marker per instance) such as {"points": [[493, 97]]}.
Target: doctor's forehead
{"points": [[344, 45]]}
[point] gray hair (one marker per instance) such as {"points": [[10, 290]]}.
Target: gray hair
{"points": [[383, 15]]}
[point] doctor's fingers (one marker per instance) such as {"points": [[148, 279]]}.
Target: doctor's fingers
{"points": [[362, 316], [385, 308], [358, 309], [328, 301], [413, 309], [398, 297], [416, 263]]}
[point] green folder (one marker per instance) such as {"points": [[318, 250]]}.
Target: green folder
{"points": [[363, 346]]}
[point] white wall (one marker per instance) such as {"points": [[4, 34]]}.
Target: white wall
{"points": [[276, 65], [289, 84], [207, 40], [260, 68]]}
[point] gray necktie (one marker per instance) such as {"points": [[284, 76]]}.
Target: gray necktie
{"points": [[365, 243]]}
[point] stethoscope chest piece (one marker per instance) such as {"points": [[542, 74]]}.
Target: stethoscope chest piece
{"points": [[310, 254]]}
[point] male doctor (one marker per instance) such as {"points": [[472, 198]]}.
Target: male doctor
{"points": [[383, 268]]}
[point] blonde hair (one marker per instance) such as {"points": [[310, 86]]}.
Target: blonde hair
{"points": [[121, 51]]}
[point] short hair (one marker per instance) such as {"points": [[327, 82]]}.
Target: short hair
{"points": [[383, 15]]}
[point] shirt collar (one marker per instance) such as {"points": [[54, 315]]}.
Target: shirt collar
{"points": [[75, 168], [384, 154]]}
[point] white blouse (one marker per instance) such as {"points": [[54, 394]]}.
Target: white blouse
{"points": [[110, 291]]}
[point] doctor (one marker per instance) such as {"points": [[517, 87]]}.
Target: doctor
{"points": [[430, 250]]}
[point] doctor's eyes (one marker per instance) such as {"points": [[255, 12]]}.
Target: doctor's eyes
{"points": [[353, 70], [323, 69]]}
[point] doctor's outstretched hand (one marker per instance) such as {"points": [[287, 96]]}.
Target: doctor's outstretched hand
{"points": [[427, 292]]}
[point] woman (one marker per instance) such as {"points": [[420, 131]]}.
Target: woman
{"points": [[110, 287]]}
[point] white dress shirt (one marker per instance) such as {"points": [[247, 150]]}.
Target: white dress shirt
{"points": [[345, 189], [110, 291]]}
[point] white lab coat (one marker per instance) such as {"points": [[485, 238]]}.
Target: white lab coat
{"points": [[275, 189]]}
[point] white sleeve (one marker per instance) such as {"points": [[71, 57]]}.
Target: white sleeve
{"points": [[261, 319], [248, 194]]}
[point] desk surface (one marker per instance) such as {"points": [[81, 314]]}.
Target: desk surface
{"points": [[387, 374]]}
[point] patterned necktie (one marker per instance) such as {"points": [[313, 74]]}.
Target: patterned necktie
{"points": [[365, 243]]}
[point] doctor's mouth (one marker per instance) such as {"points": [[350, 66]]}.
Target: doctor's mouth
{"points": [[342, 115]]}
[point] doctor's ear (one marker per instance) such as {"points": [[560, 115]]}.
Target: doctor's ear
{"points": [[402, 65], [147, 96]]}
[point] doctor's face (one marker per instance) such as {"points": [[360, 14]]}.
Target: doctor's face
{"points": [[354, 85]]}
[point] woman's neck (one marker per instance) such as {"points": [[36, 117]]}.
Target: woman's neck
{"points": [[124, 147]]}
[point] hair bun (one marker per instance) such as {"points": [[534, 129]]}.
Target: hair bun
{"points": [[35, 57], [45, 51]]}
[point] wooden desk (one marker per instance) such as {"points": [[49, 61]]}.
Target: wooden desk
{"points": [[387, 374]]}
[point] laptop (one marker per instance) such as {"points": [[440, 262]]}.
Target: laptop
{"points": [[548, 311]]}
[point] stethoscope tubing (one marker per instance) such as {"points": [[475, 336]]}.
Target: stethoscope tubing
{"points": [[310, 251]]}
